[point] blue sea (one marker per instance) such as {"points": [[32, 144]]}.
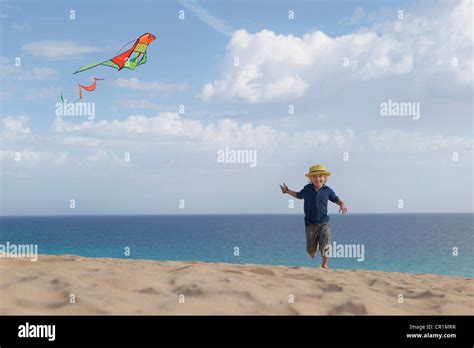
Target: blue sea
{"points": [[418, 243]]}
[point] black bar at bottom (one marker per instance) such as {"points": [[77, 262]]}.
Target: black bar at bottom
{"points": [[291, 330]]}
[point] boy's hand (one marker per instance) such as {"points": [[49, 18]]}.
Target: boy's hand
{"points": [[284, 188], [342, 208]]}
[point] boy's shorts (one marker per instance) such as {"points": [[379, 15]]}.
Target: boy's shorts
{"points": [[317, 236]]}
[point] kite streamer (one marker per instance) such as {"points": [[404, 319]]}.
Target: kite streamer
{"points": [[89, 88]]}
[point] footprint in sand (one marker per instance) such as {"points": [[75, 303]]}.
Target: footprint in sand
{"points": [[56, 304], [188, 290], [349, 308], [261, 270], [59, 284], [25, 279], [332, 288], [148, 290], [425, 294]]}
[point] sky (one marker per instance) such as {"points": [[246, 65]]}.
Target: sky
{"points": [[380, 92]]}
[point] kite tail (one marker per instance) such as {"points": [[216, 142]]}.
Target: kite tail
{"points": [[89, 88]]}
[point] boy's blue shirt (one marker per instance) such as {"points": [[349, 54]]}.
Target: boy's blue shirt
{"points": [[316, 203]]}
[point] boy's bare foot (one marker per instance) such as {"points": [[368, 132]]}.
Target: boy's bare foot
{"points": [[325, 263]]}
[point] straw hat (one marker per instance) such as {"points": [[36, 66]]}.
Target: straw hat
{"points": [[318, 169]]}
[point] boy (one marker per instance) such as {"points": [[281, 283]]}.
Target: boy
{"points": [[316, 196]]}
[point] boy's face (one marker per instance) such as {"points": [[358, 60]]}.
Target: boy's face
{"points": [[318, 180]]}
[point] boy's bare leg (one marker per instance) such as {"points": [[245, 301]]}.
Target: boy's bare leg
{"points": [[325, 262]]}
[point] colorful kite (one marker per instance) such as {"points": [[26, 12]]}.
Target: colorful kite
{"points": [[129, 59]]}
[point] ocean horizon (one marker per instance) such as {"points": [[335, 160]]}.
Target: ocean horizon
{"points": [[434, 243]]}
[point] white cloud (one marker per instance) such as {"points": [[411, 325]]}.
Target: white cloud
{"points": [[97, 156], [162, 87], [43, 93], [167, 127], [33, 157], [9, 70], [391, 140], [280, 67], [169, 124], [139, 134], [316, 139], [81, 141], [102, 158], [36, 74], [16, 124], [356, 17], [206, 17], [56, 49], [138, 104]]}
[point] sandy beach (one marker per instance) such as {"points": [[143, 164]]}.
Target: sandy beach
{"points": [[70, 284]]}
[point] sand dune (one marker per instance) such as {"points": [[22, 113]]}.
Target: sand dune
{"points": [[117, 286]]}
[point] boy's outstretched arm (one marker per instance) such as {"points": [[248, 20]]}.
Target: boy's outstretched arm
{"points": [[285, 189], [342, 206]]}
